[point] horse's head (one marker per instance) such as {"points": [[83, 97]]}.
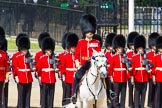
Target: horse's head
{"points": [[101, 63]]}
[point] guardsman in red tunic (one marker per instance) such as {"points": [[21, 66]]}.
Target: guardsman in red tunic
{"points": [[69, 65], [3, 64], [109, 51], [152, 45], [84, 47], [157, 73], [118, 71], [140, 72], [130, 53], [39, 54], [15, 55], [61, 68], [46, 72], [22, 73]]}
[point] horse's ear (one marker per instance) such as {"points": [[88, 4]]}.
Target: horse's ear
{"points": [[94, 52]]}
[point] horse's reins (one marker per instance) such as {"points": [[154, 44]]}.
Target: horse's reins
{"points": [[95, 97]]}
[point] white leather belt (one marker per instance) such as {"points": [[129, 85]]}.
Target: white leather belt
{"points": [[71, 69], [158, 68], [2, 68], [47, 69], [120, 69], [24, 70], [141, 68]]}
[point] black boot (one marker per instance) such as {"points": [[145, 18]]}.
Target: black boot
{"points": [[76, 86]]}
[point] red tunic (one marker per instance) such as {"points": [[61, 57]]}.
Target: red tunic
{"points": [[130, 54], [69, 67], [14, 56], [139, 71], [22, 69], [150, 56], [61, 58], [37, 57], [46, 70], [3, 65], [84, 49], [118, 69], [157, 70], [109, 56]]}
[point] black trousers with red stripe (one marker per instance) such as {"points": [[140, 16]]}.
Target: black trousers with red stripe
{"points": [[1, 90], [151, 94], [130, 102], [158, 95], [140, 94], [5, 95], [24, 91], [120, 88], [48, 91]]}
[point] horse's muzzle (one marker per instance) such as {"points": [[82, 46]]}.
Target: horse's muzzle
{"points": [[103, 75]]}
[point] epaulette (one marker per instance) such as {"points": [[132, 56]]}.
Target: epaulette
{"points": [[42, 56], [114, 55], [135, 55]]}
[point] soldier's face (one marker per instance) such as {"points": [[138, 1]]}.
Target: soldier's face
{"points": [[48, 52], [89, 35], [72, 49], [110, 48], [24, 51], [160, 50], [140, 50], [131, 46], [119, 50], [153, 47]]}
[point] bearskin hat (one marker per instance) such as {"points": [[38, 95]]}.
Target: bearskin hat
{"points": [[99, 38], [152, 39], [23, 43], [71, 40], [63, 44], [4, 46], [19, 36], [131, 37], [2, 36], [48, 43], [159, 42], [140, 41], [119, 41], [88, 23], [41, 37], [109, 39]]}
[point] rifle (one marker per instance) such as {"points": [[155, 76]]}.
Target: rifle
{"points": [[126, 61], [55, 64], [146, 63]]}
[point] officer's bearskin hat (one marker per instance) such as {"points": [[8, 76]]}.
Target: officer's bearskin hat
{"points": [[88, 23], [140, 41], [131, 37], [109, 39], [71, 40], [99, 38], [41, 37], [63, 44], [152, 39], [119, 41], [159, 42], [2, 36], [4, 46], [23, 43], [19, 36], [48, 43]]}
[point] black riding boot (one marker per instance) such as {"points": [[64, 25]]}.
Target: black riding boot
{"points": [[76, 86]]}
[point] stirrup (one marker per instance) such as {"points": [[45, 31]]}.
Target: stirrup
{"points": [[74, 99], [113, 95]]}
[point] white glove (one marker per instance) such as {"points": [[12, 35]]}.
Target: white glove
{"points": [[154, 79], [132, 80], [149, 71], [77, 63], [16, 79], [111, 79], [63, 77]]}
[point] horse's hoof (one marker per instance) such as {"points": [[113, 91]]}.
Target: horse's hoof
{"points": [[74, 99]]}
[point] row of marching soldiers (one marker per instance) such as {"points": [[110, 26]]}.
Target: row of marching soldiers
{"points": [[134, 66]]}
